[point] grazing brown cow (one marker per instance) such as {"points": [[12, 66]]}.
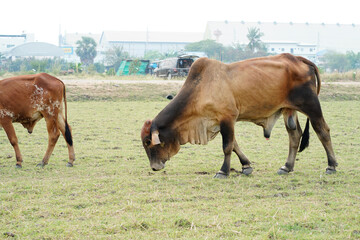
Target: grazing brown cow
{"points": [[216, 95], [27, 99]]}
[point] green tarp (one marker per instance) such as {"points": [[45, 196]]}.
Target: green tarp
{"points": [[125, 67]]}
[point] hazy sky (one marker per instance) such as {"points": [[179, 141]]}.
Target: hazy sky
{"points": [[45, 18]]}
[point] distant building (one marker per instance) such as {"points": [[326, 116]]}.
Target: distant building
{"points": [[35, 49], [138, 43], [67, 43], [135, 43], [304, 39], [7, 42], [306, 50], [23, 45]]}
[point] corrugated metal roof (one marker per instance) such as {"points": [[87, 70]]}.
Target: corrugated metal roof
{"points": [[36, 49]]}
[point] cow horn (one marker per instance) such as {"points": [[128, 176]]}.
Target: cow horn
{"points": [[145, 131], [155, 137]]}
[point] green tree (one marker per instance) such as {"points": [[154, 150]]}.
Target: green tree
{"points": [[171, 54], [337, 61], [86, 50], [254, 35], [233, 53], [353, 60], [153, 55], [114, 56], [210, 47]]}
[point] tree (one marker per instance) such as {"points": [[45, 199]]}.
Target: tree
{"points": [[337, 61], [210, 47], [115, 55], [254, 36], [234, 53], [353, 59], [153, 55], [86, 50]]}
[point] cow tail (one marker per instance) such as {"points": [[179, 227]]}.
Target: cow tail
{"points": [[68, 136], [305, 137]]}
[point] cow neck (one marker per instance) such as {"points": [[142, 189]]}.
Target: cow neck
{"points": [[185, 124], [175, 112]]}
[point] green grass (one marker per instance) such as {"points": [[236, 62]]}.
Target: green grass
{"points": [[111, 192]]}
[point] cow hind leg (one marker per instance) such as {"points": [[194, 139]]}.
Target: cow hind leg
{"points": [[294, 133], [10, 132], [307, 101], [323, 132], [227, 132], [246, 168], [54, 134], [66, 132]]}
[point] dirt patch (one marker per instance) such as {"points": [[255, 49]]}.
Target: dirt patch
{"points": [[155, 90]]}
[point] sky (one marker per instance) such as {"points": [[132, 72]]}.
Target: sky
{"points": [[46, 18]]}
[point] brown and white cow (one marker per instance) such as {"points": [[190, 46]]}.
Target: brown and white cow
{"points": [[27, 99], [216, 95]]}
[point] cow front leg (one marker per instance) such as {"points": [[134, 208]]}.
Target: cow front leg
{"points": [[294, 133], [10, 132], [54, 134], [246, 168], [227, 132]]}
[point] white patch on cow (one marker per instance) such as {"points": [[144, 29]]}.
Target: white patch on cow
{"points": [[53, 105], [38, 101], [6, 113], [56, 104], [37, 98]]}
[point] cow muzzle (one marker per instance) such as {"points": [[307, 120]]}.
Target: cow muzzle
{"points": [[157, 166]]}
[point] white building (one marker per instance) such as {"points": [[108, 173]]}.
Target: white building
{"points": [[306, 50], [7, 42], [138, 43]]}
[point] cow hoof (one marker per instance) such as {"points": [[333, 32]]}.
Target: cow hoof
{"points": [[221, 175], [40, 165], [330, 171], [247, 171], [282, 171], [18, 166], [69, 164]]}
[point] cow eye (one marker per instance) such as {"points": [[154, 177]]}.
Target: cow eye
{"points": [[147, 142]]}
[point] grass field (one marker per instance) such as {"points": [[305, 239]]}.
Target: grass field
{"points": [[111, 192]]}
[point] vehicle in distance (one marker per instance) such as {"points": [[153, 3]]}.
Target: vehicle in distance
{"points": [[175, 67]]}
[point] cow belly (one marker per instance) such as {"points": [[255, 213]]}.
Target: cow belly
{"points": [[30, 121], [258, 112]]}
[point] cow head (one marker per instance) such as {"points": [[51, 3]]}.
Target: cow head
{"points": [[159, 145]]}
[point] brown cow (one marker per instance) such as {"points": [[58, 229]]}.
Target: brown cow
{"points": [[27, 99], [216, 95]]}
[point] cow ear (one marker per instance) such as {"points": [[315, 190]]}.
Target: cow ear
{"points": [[145, 131], [155, 137]]}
